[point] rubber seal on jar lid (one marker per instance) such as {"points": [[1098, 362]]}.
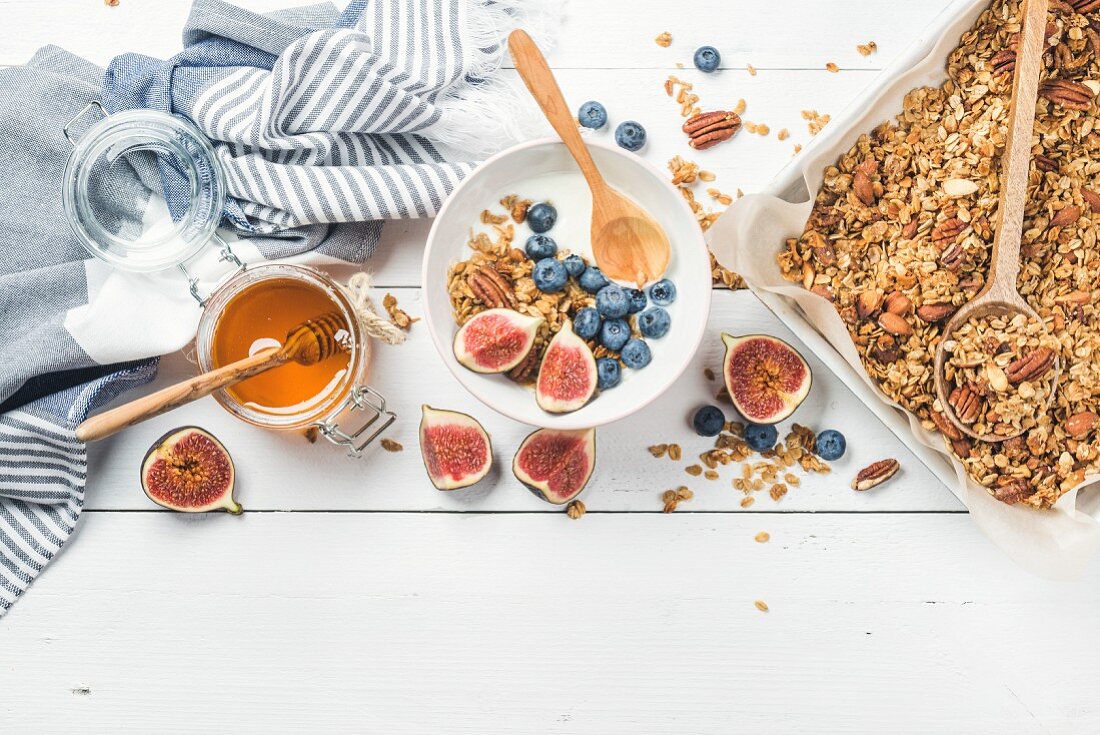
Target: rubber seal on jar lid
{"points": [[118, 214]]}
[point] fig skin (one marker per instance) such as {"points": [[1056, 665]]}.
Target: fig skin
{"points": [[790, 400], [224, 500], [565, 339], [439, 417], [528, 325], [541, 488]]}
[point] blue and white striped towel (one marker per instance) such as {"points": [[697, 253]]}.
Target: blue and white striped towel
{"points": [[325, 122]]}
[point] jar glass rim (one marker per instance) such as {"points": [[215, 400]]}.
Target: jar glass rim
{"points": [[164, 134], [359, 347]]}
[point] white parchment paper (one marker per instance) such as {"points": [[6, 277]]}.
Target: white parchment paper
{"points": [[1057, 543]]}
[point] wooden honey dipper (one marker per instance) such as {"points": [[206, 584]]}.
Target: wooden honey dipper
{"points": [[306, 344]]}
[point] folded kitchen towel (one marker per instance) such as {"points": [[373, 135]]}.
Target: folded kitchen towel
{"points": [[326, 122]]}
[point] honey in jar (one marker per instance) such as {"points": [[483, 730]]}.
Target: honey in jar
{"points": [[258, 317]]}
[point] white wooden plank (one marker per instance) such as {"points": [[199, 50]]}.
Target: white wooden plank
{"points": [[592, 35], [284, 472], [537, 624]]}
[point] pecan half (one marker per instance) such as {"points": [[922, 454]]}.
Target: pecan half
{"points": [[1066, 93], [822, 249], [491, 288], [1092, 199], [528, 368], [910, 230], [1013, 491], [898, 303], [1080, 424], [953, 257], [885, 350], [1084, 6], [875, 474], [711, 128], [894, 324], [1004, 61], [1045, 163], [947, 232], [961, 447], [933, 313], [1031, 366], [946, 426], [1065, 217], [965, 403]]}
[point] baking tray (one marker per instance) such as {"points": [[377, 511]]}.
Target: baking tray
{"points": [[1057, 543]]}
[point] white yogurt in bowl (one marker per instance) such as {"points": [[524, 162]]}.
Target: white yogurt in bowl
{"points": [[542, 170]]}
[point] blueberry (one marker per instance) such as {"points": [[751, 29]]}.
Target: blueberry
{"points": [[654, 322], [663, 292], [614, 333], [586, 324], [592, 280], [636, 354], [592, 115], [708, 421], [550, 275], [761, 438], [541, 217], [575, 265], [830, 445], [638, 300], [540, 246], [612, 301], [608, 373], [630, 135], [707, 59]]}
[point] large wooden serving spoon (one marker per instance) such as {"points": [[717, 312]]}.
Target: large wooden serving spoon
{"points": [[307, 344], [1000, 297], [627, 242]]}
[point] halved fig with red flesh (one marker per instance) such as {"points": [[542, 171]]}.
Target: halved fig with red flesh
{"points": [[567, 376], [556, 464], [189, 470], [766, 378], [495, 341], [455, 447]]}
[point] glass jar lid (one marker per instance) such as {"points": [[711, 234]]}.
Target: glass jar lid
{"points": [[112, 190]]}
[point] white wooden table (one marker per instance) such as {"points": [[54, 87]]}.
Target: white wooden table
{"points": [[354, 597]]}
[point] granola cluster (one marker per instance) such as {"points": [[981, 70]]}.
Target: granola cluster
{"points": [[1000, 373], [900, 235]]}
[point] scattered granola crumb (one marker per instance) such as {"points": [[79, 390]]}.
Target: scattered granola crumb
{"points": [[694, 470], [664, 40], [707, 176], [711, 474], [763, 537], [832, 67], [777, 491], [797, 149], [747, 501], [763, 129], [397, 315], [673, 498], [674, 452], [783, 134], [679, 65], [658, 450], [816, 121], [866, 49], [391, 446], [750, 69], [575, 509], [311, 434], [739, 108], [111, 3], [708, 374], [761, 605]]}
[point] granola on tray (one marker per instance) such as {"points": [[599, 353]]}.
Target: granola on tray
{"points": [[900, 233]]}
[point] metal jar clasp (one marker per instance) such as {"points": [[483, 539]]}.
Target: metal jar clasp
{"points": [[373, 405]]}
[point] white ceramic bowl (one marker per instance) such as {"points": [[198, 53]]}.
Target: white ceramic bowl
{"points": [[531, 170]]}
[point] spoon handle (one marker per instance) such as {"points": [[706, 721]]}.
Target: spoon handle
{"points": [[1016, 160], [536, 74], [166, 399]]}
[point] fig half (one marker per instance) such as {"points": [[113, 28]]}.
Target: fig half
{"points": [[455, 447], [567, 376], [495, 341], [556, 464], [189, 470], [766, 378]]}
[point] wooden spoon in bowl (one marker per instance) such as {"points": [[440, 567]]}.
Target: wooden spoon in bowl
{"points": [[307, 344], [1000, 297], [627, 242]]}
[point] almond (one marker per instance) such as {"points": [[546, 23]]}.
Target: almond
{"points": [[933, 313], [1065, 217], [868, 303], [898, 303], [1092, 199], [959, 187], [895, 324]]}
